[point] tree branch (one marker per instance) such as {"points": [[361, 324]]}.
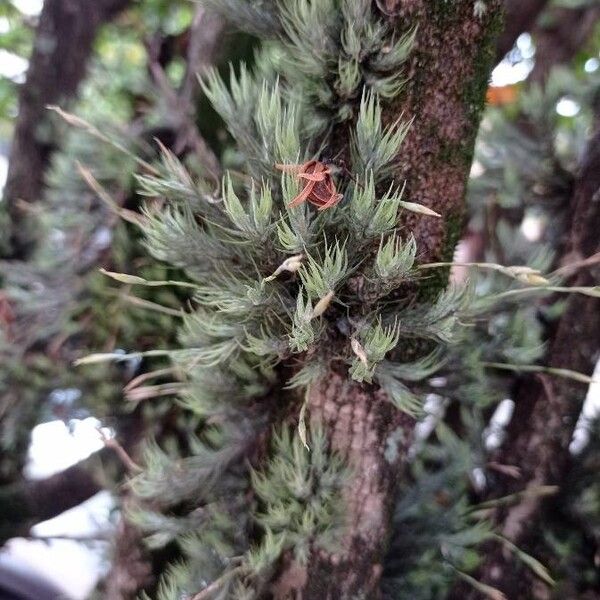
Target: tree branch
{"points": [[25, 503], [204, 41], [63, 44], [546, 410]]}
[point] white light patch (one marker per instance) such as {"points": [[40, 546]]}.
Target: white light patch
{"points": [[591, 65], [525, 45], [3, 172], [507, 73], [532, 228], [55, 448], [566, 107], [434, 409], [493, 435], [477, 169], [478, 478], [29, 7], [590, 412], [12, 66], [73, 566]]}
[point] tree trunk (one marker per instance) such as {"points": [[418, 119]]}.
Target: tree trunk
{"points": [[547, 408], [374, 436], [447, 80], [63, 44]]}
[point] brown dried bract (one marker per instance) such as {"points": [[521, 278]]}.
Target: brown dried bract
{"points": [[319, 188]]}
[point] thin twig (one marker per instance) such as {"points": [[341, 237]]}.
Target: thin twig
{"points": [[136, 381], [216, 584], [127, 215], [558, 372], [154, 391], [113, 444], [182, 112], [509, 470], [593, 291], [205, 36], [541, 491], [80, 123], [147, 304], [578, 264]]}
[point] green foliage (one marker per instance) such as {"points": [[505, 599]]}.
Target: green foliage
{"points": [[327, 57], [376, 341], [304, 332], [297, 506], [369, 216], [439, 321], [394, 261], [174, 182], [281, 294], [169, 481], [246, 307], [319, 279], [254, 224], [271, 280], [267, 127], [374, 149], [299, 498], [435, 532], [392, 377], [297, 229]]}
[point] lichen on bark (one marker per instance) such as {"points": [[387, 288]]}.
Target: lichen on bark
{"points": [[447, 79]]}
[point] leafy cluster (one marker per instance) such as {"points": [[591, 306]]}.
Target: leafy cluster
{"points": [[297, 506], [281, 294], [273, 281], [276, 285], [328, 51], [299, 497]]}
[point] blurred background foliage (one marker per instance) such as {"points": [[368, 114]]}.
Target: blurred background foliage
{"points": [[56, 307]]}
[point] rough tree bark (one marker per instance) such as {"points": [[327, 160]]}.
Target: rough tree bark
{"points": [[546, 409], [63, 44], [447, 79], [366, 428]]}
